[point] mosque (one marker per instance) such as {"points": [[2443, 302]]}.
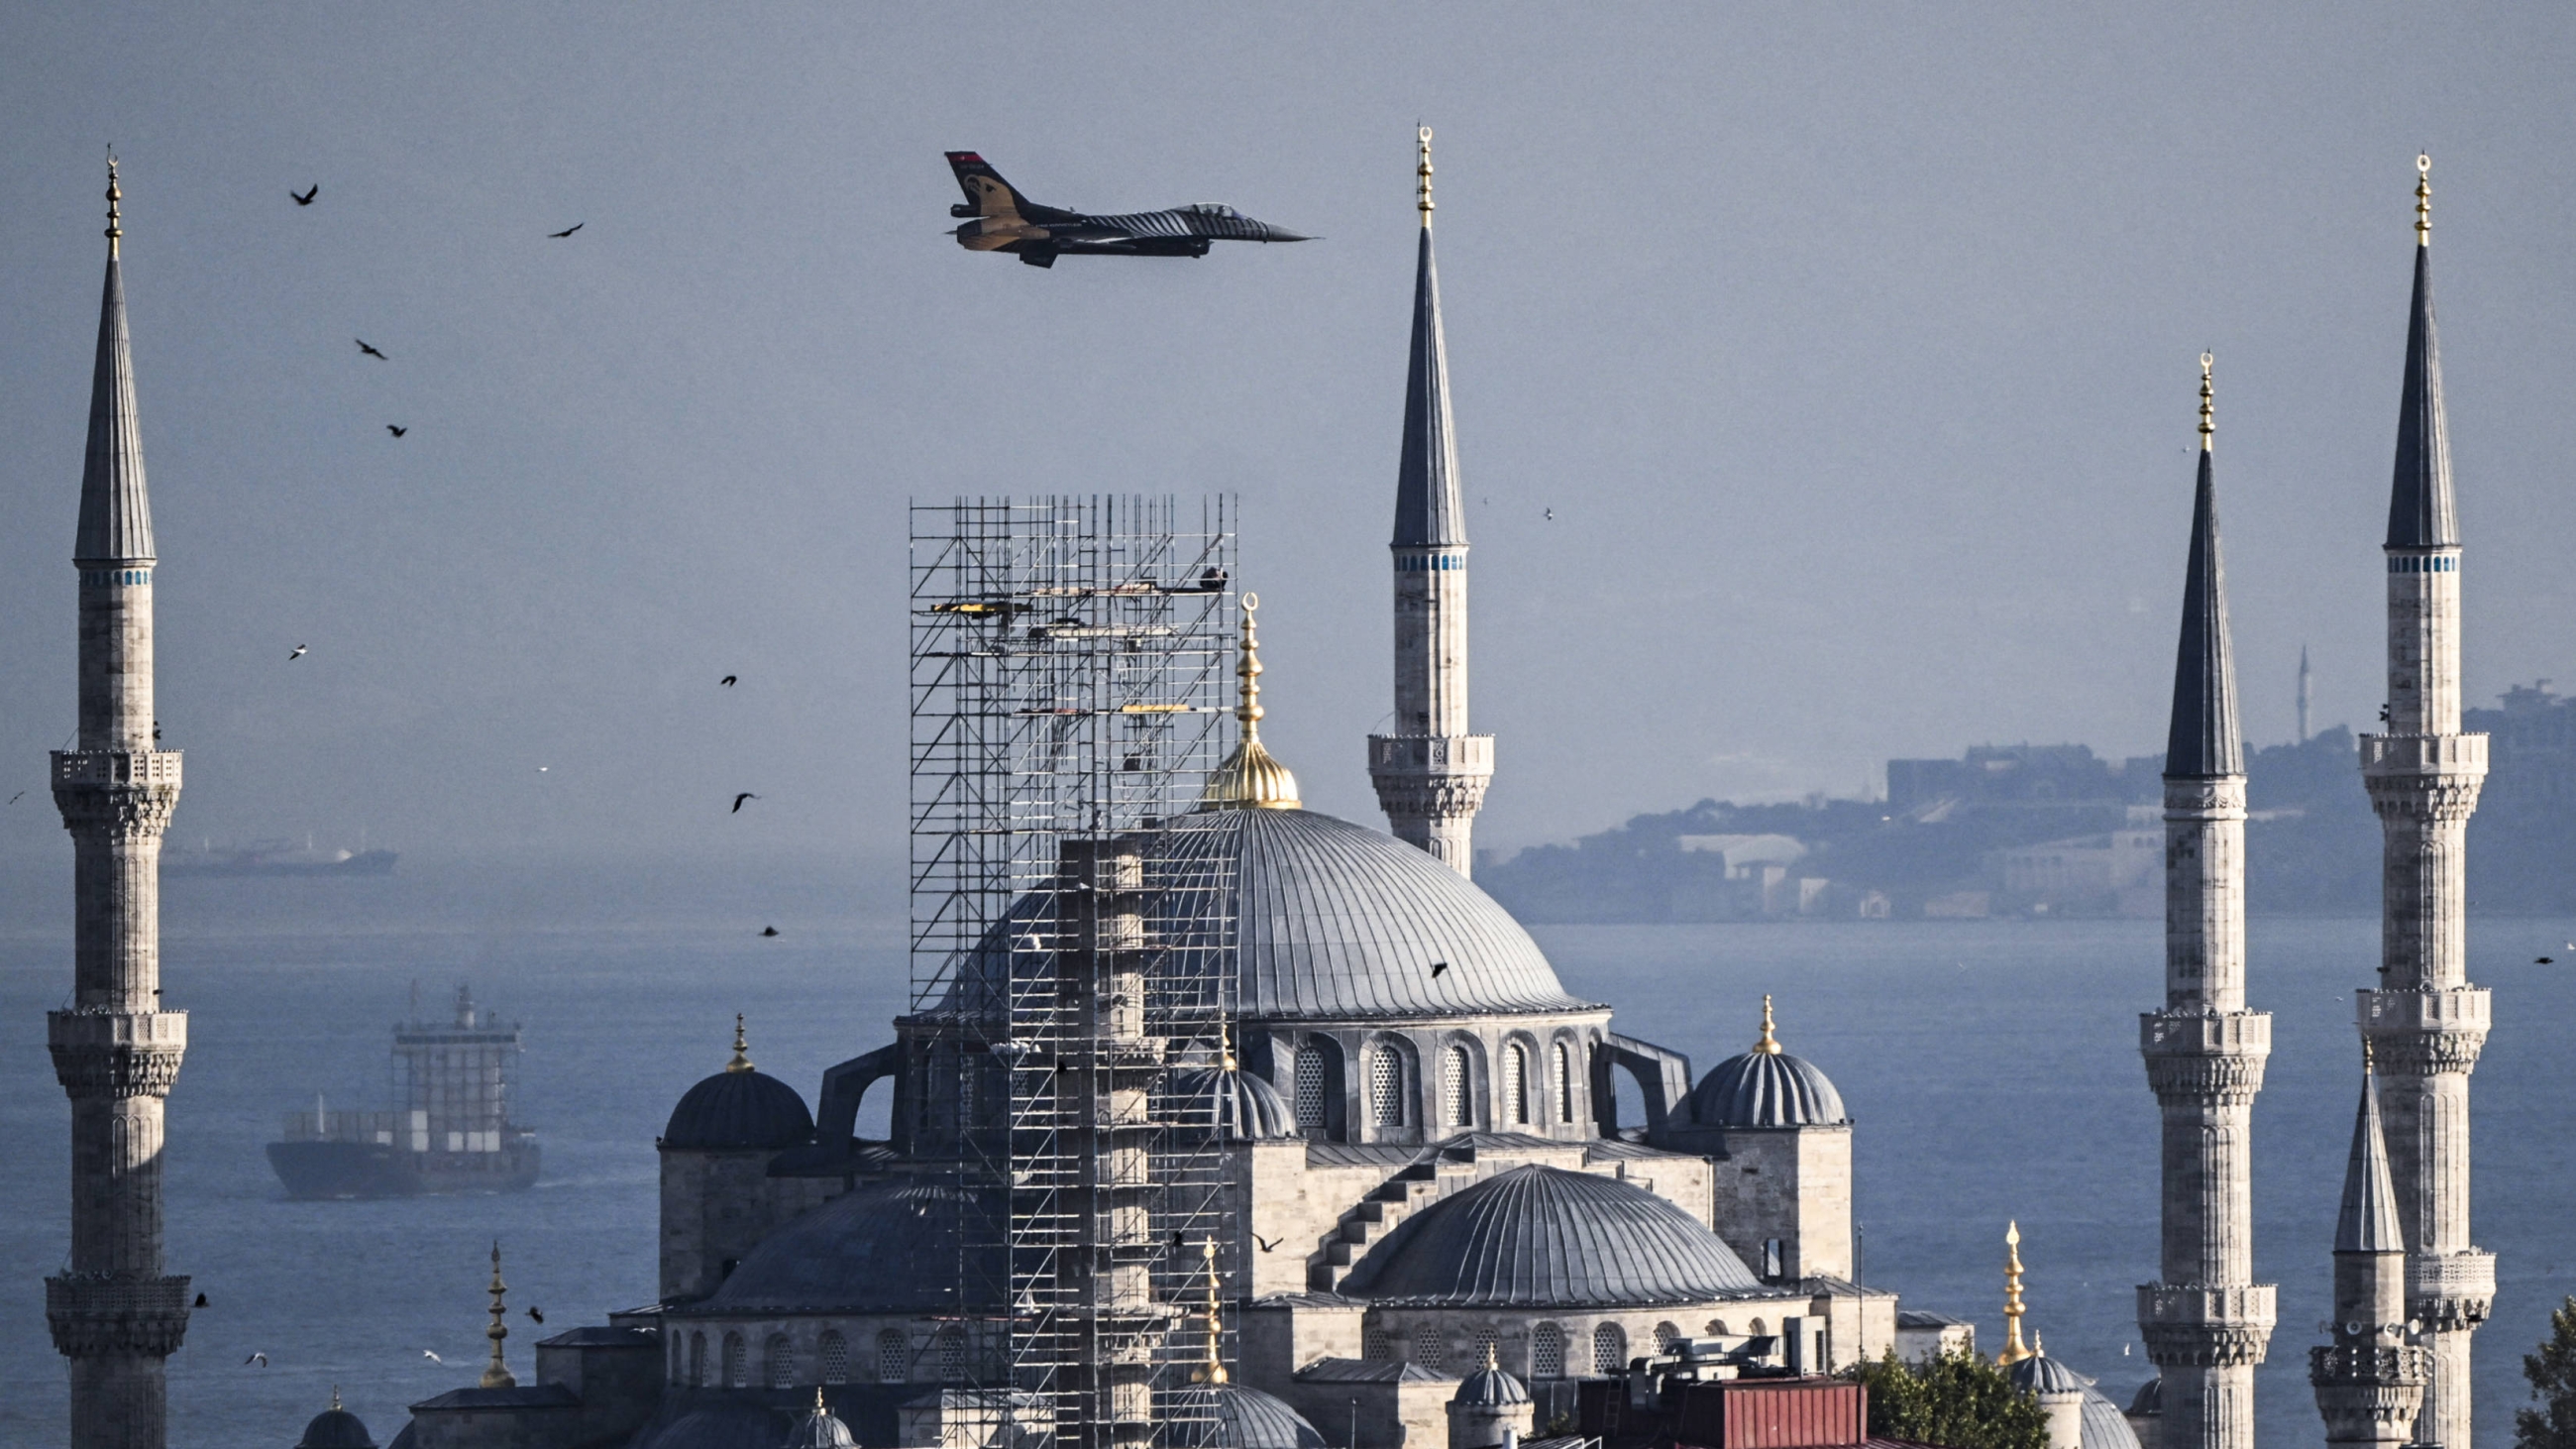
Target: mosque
{"points": [[1444, 1230]]}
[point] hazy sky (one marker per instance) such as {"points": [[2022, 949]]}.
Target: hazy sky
{"points": [[1853, 348]]}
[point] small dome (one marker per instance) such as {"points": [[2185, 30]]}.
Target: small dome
{"points": [[1243, 1106], [2150, 1397], [1544, 1237], [738, 1108], [821, 1429], [889, 1247], [335, 1428], [1766, 1087], [1490, 1387], [2105, 1427], [1233, 1416], [2040, 1374]]}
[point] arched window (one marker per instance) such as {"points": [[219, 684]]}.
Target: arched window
{"points": [[1310, 1087], [1717, 1329], [1564, 1084], [1377, 1343], [952, 1355], [1488, 1341], [1756, 1329], [891, 1357], [737, 1368], [1668, 1336], [835, 1351], [1547, 1352], [778, 1356], [697, 1360], [1428, 1350], [1453, 1088], [1516, 1084], [1609, 1349], [1386, 1088]]}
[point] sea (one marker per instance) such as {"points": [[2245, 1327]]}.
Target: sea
{"points": [[1991, 1068]]}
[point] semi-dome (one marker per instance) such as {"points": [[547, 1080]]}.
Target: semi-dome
{"points": [[1541, 1236], [1766, 1087], [335, 1428], [889, 1247], [1335, 922], [1234, 1416], [739, 1108], [1242, 1107], [2040, 1374]]}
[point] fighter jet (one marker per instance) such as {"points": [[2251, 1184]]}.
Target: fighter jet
{"points": [[998, 219]]}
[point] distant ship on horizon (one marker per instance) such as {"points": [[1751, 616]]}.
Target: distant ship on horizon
{"points": [[452, 1133], [276, 857]]}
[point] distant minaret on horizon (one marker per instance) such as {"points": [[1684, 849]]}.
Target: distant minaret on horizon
{"points": [[2303, 694], [113, 1311], [2426, 1023], [2206, 1322], [1430, 773]]}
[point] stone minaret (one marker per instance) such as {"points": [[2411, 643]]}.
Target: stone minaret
{"points": [[2370, 1380], [113, 1312], [2303, 694], [2205, 1322], [1430, 773], [2425, 1022]]}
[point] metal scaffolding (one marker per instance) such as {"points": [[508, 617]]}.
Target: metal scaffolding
{"points": [[1073, 978]]}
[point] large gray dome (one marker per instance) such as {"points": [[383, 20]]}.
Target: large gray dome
{"points": [[1339, 922], [1544, 1237], [889, 1247]]}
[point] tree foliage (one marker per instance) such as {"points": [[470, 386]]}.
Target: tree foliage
{"points": [[2552, 1372], [1957, 1399]]}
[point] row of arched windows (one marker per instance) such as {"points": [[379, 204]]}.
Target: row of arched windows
{"points": [[1390, 1098], [894, 1360]]}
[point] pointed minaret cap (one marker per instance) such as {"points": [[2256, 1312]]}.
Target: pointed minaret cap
{"points": [[1250, 779], [2203, 741], [741, 1045], [2368, 1222], [2013, 1350], [115, 508], [2421, 513], [1429, 507]]}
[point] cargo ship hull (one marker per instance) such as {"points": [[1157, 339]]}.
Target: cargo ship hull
{"points": [[378, 1169]]}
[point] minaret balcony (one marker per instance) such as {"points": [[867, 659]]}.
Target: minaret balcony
{"points": [[1431, 754], [2450, 1290], [2200, 1325], [101, 1315], [2416, 1033], [116, 1053], [2205, 1055], [2402, 755], [78, 768]]}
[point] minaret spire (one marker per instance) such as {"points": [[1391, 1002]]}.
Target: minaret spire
{"points": [[1430, 772], [496, 1374], [2426, 1021], [2014, 1350], [2205, 1321], [2369, 1382], [1251, 778], [114, 1312]]}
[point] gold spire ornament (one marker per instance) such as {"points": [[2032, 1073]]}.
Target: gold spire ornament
{"points": [[2423, 199], [1769, 1046], [1422, 174], [740, 1062], [2208, 408], [115, 194], [2013, 1351], [1212, 1369], [1250, 779], [496, 1374]]}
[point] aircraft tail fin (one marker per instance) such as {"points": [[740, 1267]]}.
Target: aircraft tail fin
{"points": [[987, 194]]}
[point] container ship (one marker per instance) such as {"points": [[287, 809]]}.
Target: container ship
{"points": [[276, 857], [452, 1133]]}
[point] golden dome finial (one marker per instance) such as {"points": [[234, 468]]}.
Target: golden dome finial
{"points": [[820, 1407], [1250, 778], [2013, 1351], [1769, 1046], [1225, 1048], [2208, 408], [115, 194], [2423, 199], [496, 1374], [1422, 173], [335, 1396], [740, 1062], [1212, 1369]]}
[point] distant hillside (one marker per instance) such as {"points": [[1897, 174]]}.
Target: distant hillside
{"points": [[2057, 830]]}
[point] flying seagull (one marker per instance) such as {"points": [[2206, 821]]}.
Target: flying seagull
{"points": [[769, 930], [567, 231], [1551, 515], [1439, 969], [728, 680], [298, 654], [738, 799], [2544, 960], [395, 430], [538, 1314], [1269, 1243], [371, 352], [21, 795], [307, 198], [433, 1358], [258, 1358]]}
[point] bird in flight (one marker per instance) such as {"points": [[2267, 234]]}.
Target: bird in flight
{"points": [[2544, 960], [306, 198], [1269, 1243], [728, 680], [1439, 969], [396, 430], [258, 1358], [769, 930], [21, 795], [433, 1358], [298, 654], [371, 352], [201, 1300], [541, 769], [738, 799], [567, 231], [1551, 515], [538, 1314]]}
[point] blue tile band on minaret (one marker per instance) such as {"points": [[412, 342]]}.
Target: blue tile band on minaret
{"points": [[2206, 1322], [2426, 1023], [113, 1311], [2369, 1381], [1429, 771]]}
